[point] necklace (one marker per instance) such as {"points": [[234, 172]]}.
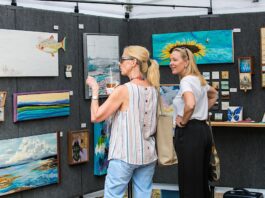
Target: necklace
{"points": [[138, 77]]}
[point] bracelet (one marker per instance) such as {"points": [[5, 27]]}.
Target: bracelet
{"points": [[94, 97], [183, 125]]}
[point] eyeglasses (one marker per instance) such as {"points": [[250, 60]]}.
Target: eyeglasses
{"points": [[122, 59], [183, 48]]}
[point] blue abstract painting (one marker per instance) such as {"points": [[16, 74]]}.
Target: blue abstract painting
{"points": [[38, 105], [101, 147], [28, 162], [244, 65], [208, 47]]}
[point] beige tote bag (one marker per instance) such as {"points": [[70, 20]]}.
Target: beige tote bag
{"points": [[164, 138]]}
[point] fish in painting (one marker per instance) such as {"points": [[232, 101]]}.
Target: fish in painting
{"points": [[51, 46]]}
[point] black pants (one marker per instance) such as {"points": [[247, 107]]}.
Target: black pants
{"points": [[193, 147]]}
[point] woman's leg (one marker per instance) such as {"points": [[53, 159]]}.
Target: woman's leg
{"points": [[117, 179], [142, 181]]}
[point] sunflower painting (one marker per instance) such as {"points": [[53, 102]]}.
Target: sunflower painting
{"points": [[208, 47]]}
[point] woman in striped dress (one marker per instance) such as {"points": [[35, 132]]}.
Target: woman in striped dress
{"points": [[133, 105]]}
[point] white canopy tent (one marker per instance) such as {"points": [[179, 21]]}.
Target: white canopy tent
{"points": [[139, 11]]}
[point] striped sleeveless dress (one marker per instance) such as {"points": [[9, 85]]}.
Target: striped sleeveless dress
{"points": [[132, 133]]}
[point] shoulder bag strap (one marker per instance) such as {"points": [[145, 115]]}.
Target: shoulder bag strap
{"points": [[210, 126]]}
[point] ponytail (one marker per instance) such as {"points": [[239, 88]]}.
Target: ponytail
{"points": [[153, 74]]}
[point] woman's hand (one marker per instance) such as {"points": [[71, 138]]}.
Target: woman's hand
{"points": [[91, 82], [178, 121]]}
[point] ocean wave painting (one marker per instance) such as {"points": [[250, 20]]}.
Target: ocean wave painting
{"points": [[28, 162], [38, 105], [208, 47], [104, 67]]}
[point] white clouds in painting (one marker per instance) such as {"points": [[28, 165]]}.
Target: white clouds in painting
{"points": [[28, 148]]}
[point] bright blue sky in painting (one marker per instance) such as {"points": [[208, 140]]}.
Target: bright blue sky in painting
{"points": [[219, 48], [14, 151]]}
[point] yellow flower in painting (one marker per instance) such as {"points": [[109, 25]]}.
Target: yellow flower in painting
{"points": [[196, 48]]}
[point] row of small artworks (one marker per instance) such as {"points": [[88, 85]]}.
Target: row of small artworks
{"points": [[215, 77], [234, 113]]}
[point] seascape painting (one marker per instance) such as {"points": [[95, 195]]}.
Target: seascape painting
{"points": [[28, 162], [208, 47], [101, 56], [168, 92], [28, 53], [38, 105], [101, 147]]}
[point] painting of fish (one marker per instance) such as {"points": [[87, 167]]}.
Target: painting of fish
{"points": [[29, 162], [51, 46], [23, 53], [38, 105], [208, 47]]}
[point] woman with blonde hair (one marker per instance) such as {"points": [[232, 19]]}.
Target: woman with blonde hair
{"points": [[132, 152], [193, 139]]}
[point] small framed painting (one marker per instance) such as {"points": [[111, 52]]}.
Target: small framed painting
{"points": [[218, 116], [2, 98], [225, 95], [245, 64], [78, 147], [224, 105], [206, 75], [234, 114], [245, 81], [225, 85], [216, 85], [215, 75], [225, 75]]}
